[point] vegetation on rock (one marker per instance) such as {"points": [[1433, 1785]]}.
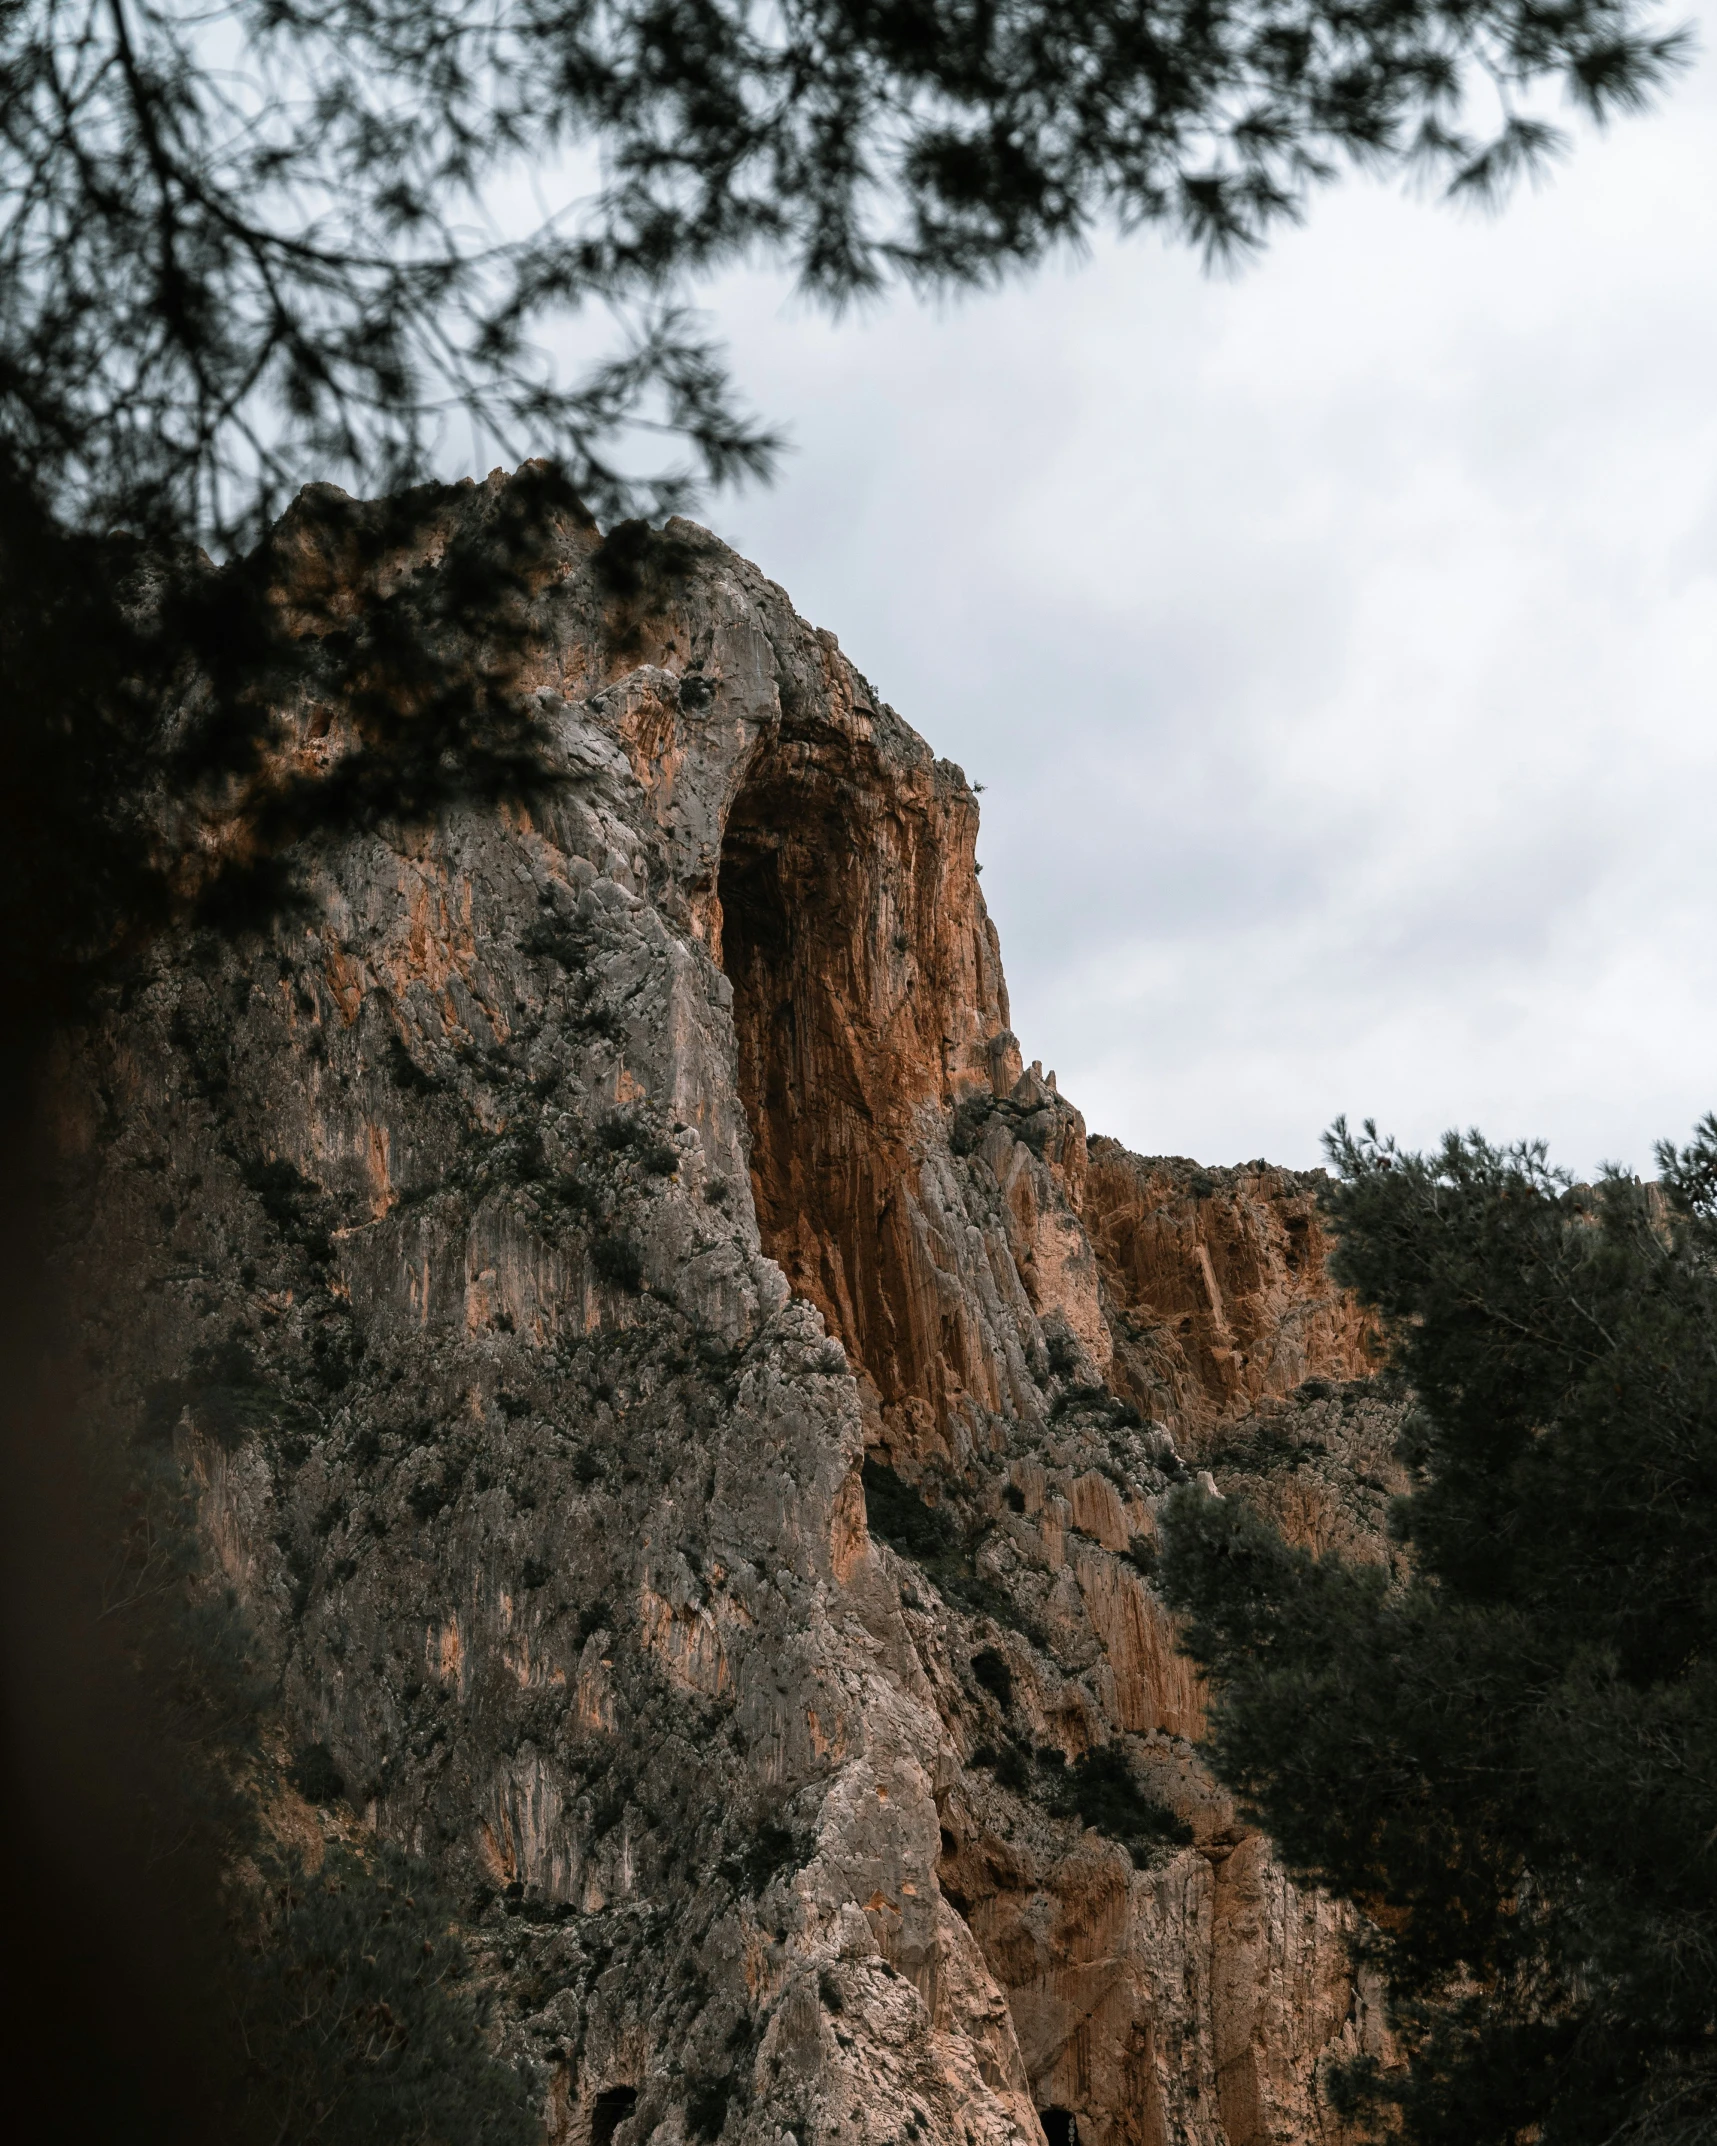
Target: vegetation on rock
{"points": [[359, 2016], [1506, 1754]]}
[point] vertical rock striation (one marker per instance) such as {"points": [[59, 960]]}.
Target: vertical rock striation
{"points": [[526, 1250]]}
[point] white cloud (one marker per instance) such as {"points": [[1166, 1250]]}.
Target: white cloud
{"points": [[1338, 646]]}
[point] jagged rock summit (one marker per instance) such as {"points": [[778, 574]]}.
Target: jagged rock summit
{"points": [[685, 1407]]}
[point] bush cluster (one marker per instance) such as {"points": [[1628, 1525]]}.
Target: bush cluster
{"points": [[1098, 1790], [935, 1541]]}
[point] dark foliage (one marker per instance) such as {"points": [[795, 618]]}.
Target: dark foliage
{"points": [[595, 1017], [935, 1541], [706, 2109], [1100, 1791], [437, 1490], [555, 939], [658, 1156], [315, 1775], [140, 781], [1509, 1758], [243, 242], [360, 2017], [970, 1121], [1009, 1763], [1063, 1352], [290, 1201], [771, 1849], [1144, 1555], [405, 1071], [896, 1512], [654, 1152], [617, 1260], [226, 1397], [641, 569]]}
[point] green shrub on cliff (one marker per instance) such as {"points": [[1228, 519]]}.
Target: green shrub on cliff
{"points": [[1509, 1760], [229, 1994], [934, 1539], [358, 2012]]}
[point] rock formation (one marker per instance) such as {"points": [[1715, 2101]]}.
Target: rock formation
{"points": [[685, 1407]]}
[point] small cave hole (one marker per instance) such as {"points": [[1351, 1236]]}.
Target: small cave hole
{"points": [[990, 1670], [1060, 2126], [611, 2109]]}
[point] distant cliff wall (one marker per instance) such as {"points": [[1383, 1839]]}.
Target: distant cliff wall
{"points": [[527, 1247]]}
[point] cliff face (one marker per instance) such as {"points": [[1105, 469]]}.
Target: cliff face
{"points": [[1215, 1287], [527, 1250]]}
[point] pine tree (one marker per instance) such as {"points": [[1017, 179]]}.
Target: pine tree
{"points": [[1507, 1759], [248, 242]]}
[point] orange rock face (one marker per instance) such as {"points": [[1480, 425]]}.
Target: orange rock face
{"points": [[866, 981], [1217, 1286], [869, 1005]]}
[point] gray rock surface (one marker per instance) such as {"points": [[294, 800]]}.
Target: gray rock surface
{"points": [[526, 1247]]}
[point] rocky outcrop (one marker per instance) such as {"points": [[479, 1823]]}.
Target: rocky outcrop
{"points": [[685, 1407], [1218, 1295]]}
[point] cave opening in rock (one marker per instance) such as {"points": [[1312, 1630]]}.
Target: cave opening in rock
{"points": [[867, 988], [1060, 2126], [826, 872], [814, 1084], [609, 2111]]}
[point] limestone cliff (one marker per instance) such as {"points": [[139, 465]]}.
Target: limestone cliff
{"points": [[685, 1407]]}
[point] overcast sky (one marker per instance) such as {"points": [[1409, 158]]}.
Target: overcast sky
{"points": [[1338, 647]]}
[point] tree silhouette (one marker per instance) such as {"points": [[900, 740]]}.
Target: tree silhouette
{"points": [[244, 244], [249, 243]]}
